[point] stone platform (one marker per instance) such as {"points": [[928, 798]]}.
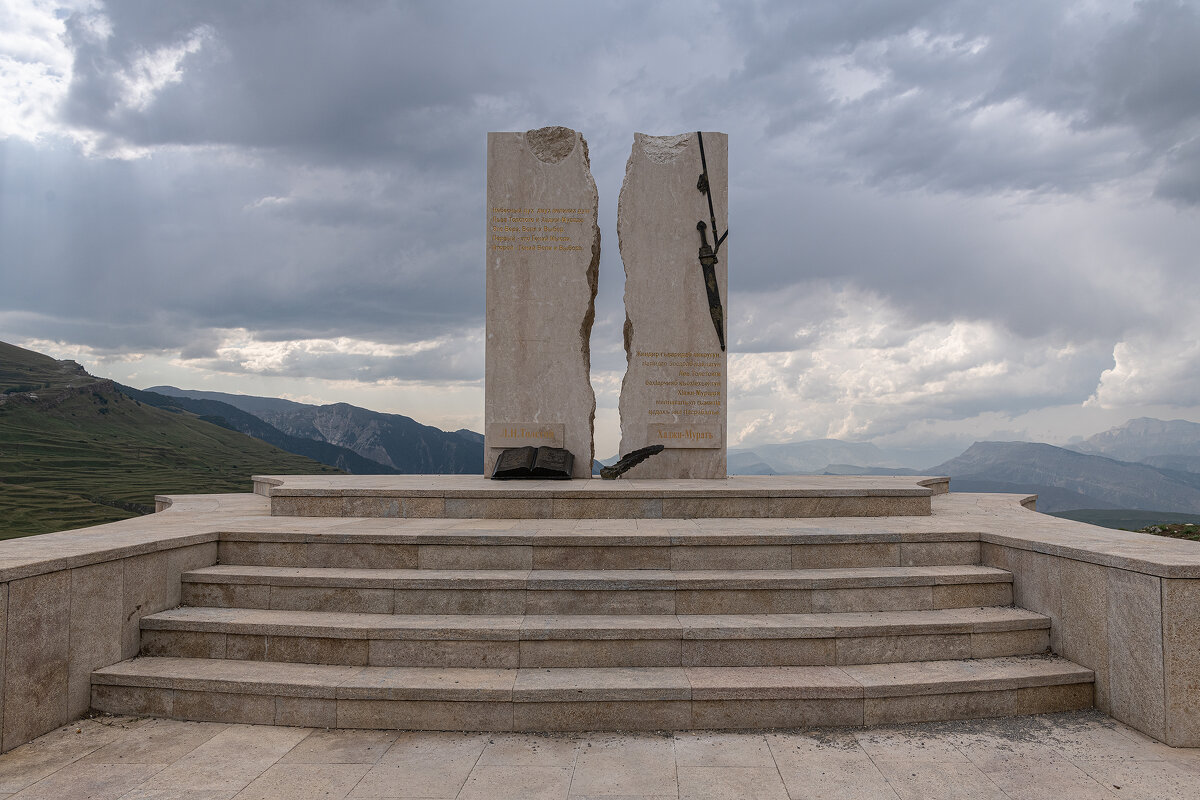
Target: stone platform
{"points": [[474, 497], [217, 610]]}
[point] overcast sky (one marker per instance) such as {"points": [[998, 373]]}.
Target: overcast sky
{"points": [[949, 220]]}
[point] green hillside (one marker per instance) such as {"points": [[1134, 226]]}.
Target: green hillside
{"points": [[74, 451]]}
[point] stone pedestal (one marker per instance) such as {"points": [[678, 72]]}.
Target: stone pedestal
{"points": [[674, 392], [543, 256]]}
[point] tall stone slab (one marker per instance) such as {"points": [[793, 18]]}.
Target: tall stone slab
{"points": [[674, 392], [543, 258]]}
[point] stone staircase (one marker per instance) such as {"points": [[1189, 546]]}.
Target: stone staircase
{"points": [[624, 625]]}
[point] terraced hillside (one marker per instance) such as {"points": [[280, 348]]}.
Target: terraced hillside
{"points": [[75, 451]]}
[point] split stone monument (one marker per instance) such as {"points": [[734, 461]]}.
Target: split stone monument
{"points": [[543, 251], [543, 257], [671, 218]]}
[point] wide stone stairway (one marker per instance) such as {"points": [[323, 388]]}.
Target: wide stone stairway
{"points": [[607, 624]]}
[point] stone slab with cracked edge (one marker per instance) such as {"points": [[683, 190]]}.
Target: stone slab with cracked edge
{"points": [[542, 273]]}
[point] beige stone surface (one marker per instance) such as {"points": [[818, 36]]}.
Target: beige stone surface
{"points": [[712, 749], [758, 652], [36, 656], [885, 649], [95, 628], [601, 653], [1082, 621], [223, 707], [132, 700], [603, 557], [1009, 643], [672, 348], [783, 714], [332, 598], [433, 556], [1181, 661], [823, 556], [543, 258], [587, 715], [424, 653], [529, 750], [763, 556], [1057, 756], [731, 783], [826, 767], [625, 765], [1135, 650], [183, 644], [315, 712], [156, 741], [341, 747], [504, 782]]}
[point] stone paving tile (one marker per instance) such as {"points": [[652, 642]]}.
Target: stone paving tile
{"points": [[625, 764], [45, 755], [341, 747], [530, 749], [517, 783], [827, 765], [1056, 757], [1144, 779], [305, 782], [179, 794], [938, 780], [443, 747], [731, 783], [203, 774], [250, 743], [422, 765], [90, 781], [1046, 778], [713, 749], [395, 781], [159, 741]]}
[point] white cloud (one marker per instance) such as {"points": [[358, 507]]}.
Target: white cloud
{"points": [[35, 65], [153, 70], [870, 371], [1153, 370]]}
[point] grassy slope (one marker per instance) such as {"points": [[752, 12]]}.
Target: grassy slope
{"points": [[82, 453]]}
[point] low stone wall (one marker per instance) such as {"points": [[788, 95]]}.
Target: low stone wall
{"points": [[1125, 605], [72, 602]]}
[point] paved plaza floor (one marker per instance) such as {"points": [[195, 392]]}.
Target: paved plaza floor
{"points": [[1054, 756]]}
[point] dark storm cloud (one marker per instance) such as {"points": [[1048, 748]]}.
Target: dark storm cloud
{"points": [[314, 170], [342, 82], [151, 254]]}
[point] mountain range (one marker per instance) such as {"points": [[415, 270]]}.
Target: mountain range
{"points": [[97, 448], [356, 440], [1144, 464], [75, 450]]}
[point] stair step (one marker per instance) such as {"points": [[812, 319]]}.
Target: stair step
{"points": [[644, 698], [577, 641], [645, 591], [475, 497], [621, 544]]}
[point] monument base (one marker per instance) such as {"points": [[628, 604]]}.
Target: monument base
{"points": [[473, 497]]}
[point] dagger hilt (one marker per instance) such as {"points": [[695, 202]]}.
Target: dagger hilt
{"points": [[708, 257]]}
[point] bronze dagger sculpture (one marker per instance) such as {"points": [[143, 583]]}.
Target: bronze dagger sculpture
{"points": [[708, 255]]}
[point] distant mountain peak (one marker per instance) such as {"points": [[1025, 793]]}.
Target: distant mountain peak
{"points": [[1143, 438]]}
